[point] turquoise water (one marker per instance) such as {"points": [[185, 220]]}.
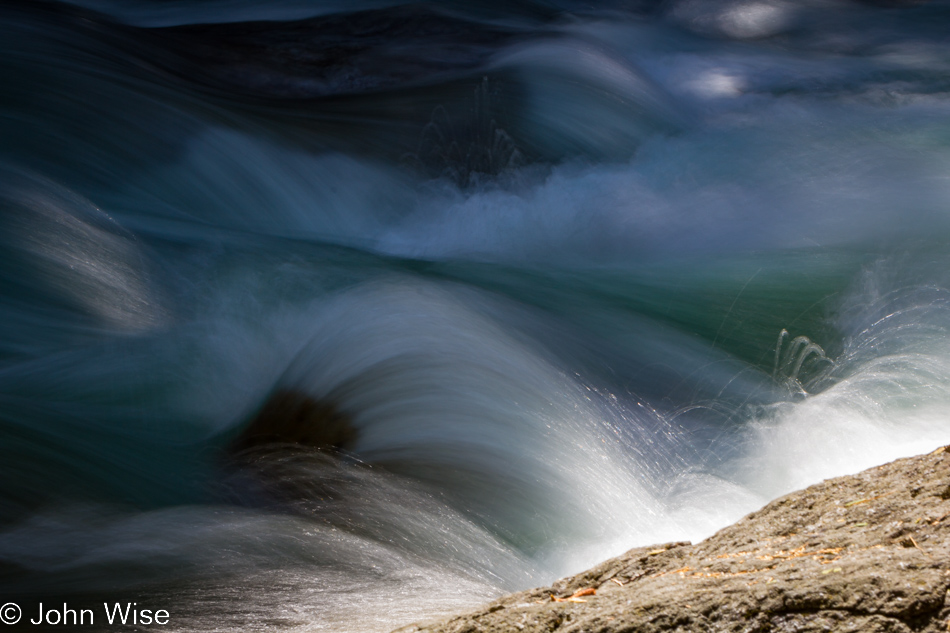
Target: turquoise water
{"points": [[542, 254]]}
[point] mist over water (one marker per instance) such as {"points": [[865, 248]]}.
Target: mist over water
{"points": [[558, 279]]}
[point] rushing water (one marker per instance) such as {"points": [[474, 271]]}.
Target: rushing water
{"points": [[583, 276]]}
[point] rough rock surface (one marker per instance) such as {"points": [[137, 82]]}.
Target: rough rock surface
{"points": [[865, 553]]}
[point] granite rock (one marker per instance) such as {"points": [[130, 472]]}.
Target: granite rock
{"points": [[863, 553]]}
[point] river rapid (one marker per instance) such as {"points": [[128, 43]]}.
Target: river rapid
{"points": [[579, 277]]}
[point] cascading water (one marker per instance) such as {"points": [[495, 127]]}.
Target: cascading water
{"points": [[512, 286]]}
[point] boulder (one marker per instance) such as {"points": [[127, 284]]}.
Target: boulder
{"points": [[863, 553]]}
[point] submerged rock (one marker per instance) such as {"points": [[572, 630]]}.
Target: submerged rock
{"points": [[295, 418], [456, 97], [339, 54], [293, 456], [868, 552]]}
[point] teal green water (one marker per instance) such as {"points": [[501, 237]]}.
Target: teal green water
{"points": [[544, 263]]}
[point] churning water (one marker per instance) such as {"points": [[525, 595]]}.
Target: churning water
{"points": [[577, 277]]}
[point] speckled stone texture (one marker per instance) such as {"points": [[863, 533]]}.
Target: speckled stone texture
{"points": [[866, 553]]}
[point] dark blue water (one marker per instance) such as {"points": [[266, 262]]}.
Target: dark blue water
{"points": [[540, 257]]}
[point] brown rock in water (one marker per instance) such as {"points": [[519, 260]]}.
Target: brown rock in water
{"points": [[290, 457], [292, 417], [866, 553]]}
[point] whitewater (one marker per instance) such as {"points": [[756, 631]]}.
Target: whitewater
{"points": [[576, 276]]}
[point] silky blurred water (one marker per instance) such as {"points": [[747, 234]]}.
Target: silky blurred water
{"points": [[541, 254]]}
